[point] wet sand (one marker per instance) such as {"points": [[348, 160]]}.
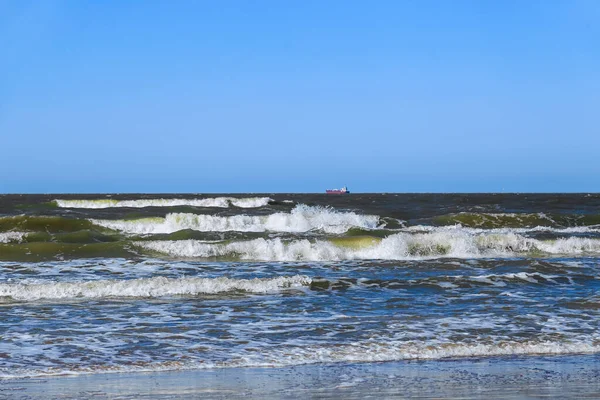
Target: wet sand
{"points": [[516, 378]]}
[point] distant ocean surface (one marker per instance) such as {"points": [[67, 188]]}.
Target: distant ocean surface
{"points": [[120, 283]]}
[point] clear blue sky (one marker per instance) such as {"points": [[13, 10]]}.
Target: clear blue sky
{"points": [[298, 96]]}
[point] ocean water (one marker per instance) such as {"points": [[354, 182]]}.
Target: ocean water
{"points": [[119, 283]]}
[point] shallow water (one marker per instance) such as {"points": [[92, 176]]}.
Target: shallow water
{"points": [[486, 378]]}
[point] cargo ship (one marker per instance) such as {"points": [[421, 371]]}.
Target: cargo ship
{"points": [[343, 190]]}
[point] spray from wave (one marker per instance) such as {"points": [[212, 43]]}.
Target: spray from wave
{"points": [[301, 219]]}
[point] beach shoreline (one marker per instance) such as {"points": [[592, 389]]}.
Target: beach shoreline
{"points": [[572, 376]]}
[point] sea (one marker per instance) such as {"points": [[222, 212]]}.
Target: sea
{"points": [[110, 283]]}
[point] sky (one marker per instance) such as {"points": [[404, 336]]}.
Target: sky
{"points": [[299, 96]]}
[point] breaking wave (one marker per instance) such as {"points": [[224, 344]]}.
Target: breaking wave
{"points": [[147, 287], [7, 237], [301, 219], [222, 202], [364, 351], [399, 246], [395, 351]]}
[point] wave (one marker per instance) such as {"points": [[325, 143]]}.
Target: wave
{"points": [[7, 237], [221, 202], [360, 352], [147, 287], [301, 219], [395, 351], [399, 246], [306, 218], [516, 220], [504, 230], [449, 282], [374, 351], [41, 223], [40, 251]]}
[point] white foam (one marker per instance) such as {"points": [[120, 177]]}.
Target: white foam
{"points": [[366, 351], [147, 287], [7, 237], [455, 244], [393, 351], [572, 245], [498, 280], [258, 249], [222, 202], [301, 219], [447, 285]]}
